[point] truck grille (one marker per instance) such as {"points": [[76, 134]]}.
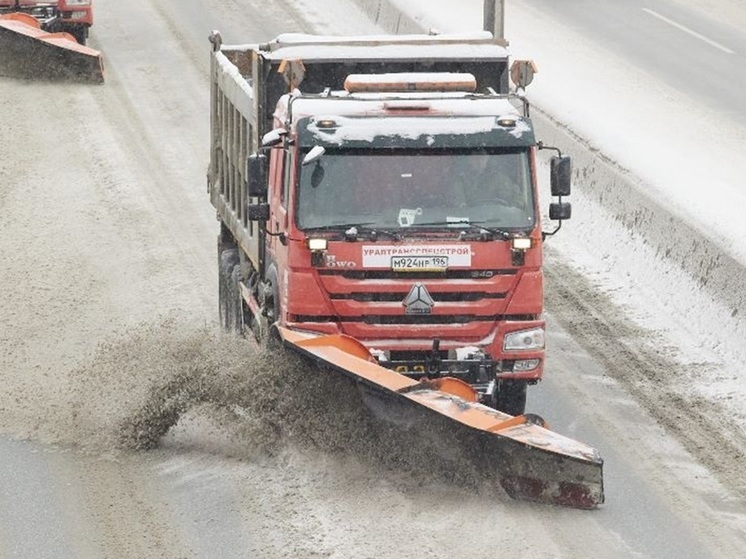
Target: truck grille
{"points": [[396, 296], [415, 319], [389, 274], [466, 302]]}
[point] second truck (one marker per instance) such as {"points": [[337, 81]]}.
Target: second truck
{"points": [[46, 39]]}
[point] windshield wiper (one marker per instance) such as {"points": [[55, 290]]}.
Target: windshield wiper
{"points": [[351, 230], [470, 224], [335, 226], [393, 234]]}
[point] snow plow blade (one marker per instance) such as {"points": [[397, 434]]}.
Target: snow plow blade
{"points": [[528, 460], [29, 52]]}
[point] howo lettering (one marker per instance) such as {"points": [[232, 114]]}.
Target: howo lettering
{"points": [[379, 213]]}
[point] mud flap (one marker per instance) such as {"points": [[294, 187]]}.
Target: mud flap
{"points": [[30, 53], [527, 460]]}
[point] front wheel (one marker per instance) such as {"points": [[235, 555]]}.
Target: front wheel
{"points": [[227, 263], [236, 316], [510, 397], [268, 333], [80, 32]]}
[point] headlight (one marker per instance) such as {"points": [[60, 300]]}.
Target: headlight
{"points": [[524, 339], [78, 2]]}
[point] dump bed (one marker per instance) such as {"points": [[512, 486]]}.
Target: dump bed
{"points": [[327, 61]]}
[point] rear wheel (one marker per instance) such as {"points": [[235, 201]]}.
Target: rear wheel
{"points": [[511, 396]]}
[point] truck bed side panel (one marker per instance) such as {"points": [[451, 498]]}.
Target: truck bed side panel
{"points": [[232, 139]]}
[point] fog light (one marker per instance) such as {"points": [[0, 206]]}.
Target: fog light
{"points": [[525, 365]]}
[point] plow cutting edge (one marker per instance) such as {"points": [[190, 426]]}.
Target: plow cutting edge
{"points": [[528, 460]]}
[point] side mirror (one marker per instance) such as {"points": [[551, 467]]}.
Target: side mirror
{"points": [[273, 137], [561, 175], [257, 170], [313, 155], [258, 212], [522, 72], [560, 210]]}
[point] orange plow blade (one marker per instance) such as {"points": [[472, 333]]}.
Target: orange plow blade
{"points": [[528, 460], [26, 51]]}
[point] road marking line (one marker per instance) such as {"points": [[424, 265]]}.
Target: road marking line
{"points": [[687, 30]]}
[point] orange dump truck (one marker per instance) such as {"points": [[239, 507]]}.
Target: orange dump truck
{"points": [[54, 16], [379, 213], [46, 39]]}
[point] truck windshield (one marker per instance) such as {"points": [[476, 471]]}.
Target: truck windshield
{"points": [[408, 188]]}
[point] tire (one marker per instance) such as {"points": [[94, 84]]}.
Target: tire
{"points": [[80, 35], [80, 32], [227, 263], [270, 337], [511, 397], [272, 340], [236, 302], [271, 312]]}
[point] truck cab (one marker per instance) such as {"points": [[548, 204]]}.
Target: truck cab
{"points": [[402, 210]]}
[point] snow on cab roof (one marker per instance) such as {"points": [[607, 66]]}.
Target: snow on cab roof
{"points": [[426, 129], [292, 46]]}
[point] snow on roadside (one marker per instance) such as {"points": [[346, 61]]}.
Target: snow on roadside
{"points": [[647, 127], [629, 115]]}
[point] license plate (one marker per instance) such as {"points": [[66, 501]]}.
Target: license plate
{"points": [[419, 263]]}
